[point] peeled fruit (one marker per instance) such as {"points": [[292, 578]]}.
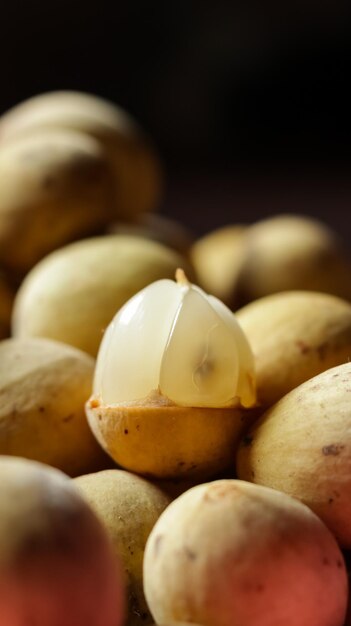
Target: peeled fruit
{"points": [[133, 161], [288, 252], [172, 373], [55, 187], [128, 506], [73, 294], [302, 446], [229, 553], [6, 302], [216, 258], [43, 388], [294, 336], [56, 563]]}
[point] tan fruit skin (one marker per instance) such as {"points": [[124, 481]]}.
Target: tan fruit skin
{"points": [[302, 446], [6, 302], [217, 258], [288, 252], [56, 563], [170, 441], [230, 553], [294, 336], [134, 163], [56, 187], [128, 506], [43, 389], [170, 232], [73, 294]]}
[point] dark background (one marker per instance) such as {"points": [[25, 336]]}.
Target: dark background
{"points": [[248, 102]]}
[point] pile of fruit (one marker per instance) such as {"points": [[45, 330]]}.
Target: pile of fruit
{"points": [[172, 452]]}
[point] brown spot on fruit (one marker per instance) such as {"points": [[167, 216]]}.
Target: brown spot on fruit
{"points": [[333, 449], [303, 347], [247, 441], [68, 418], [190, 553]]}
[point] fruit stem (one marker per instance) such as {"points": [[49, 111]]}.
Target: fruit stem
{"points": [[181, 277]]}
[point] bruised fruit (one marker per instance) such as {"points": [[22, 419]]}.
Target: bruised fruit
{"points": [[56, 563], [229, 553], [128, 506]]}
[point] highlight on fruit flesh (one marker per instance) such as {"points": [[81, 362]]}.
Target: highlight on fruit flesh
{"points": [[173, 339]]}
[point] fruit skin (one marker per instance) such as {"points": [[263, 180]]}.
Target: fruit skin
{"points": [[56, 562], [6, 302], [43, 388], [56, 187], [302, 446], [135, 166], [128, 506], [230, 553], [217, 258], [294, 336], [168, 441], [289, 252], [73, 294], [161, 228]]}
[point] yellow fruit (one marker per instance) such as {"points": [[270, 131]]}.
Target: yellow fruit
{"points": [[230, 553], [288, 252], [217, 258], [294, 336], [73, 294], [158, 228], [134, 164], [55, 187], [128, 506], [43, 388], [302, 446], [168, 441], [56, 563]]}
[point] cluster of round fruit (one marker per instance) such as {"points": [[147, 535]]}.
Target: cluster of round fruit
{"points": [[210, 452]]}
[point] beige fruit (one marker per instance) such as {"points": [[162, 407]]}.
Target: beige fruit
{"points": [[217, 258], [43, 388], [56, 563], [128, 506], [73, 294], [230, 553], [55, 187], [294, 336], [288, 252], [160, 228], [6, 302], [302, 446], [135, 165]]}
